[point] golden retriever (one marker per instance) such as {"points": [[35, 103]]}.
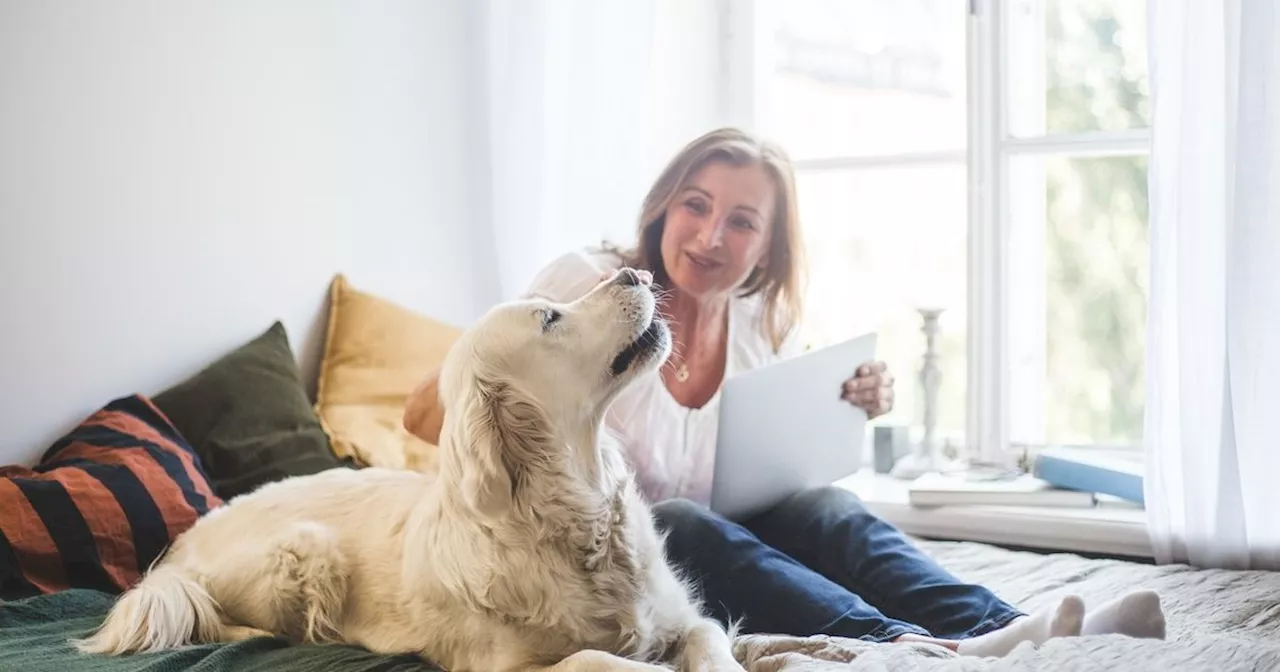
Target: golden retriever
{"points": [[531, 549]]}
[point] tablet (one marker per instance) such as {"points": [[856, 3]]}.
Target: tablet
{"points": [[784, 428]]}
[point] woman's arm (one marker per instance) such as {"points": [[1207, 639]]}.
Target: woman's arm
{"points": [[423, 413]]}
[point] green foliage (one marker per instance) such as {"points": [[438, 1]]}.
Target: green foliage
{"points": [[1096, 241]]}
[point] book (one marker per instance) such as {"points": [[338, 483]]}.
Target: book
{"points": [[936, 489], [1118, 473]]}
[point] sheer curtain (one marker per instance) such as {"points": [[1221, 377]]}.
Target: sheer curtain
{"points": [[1213, 384], [569, 86]]}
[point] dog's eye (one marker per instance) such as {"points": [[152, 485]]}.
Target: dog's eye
{"points": [[549, 317]]}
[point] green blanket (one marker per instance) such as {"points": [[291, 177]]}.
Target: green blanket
{"points": [[34, 634]]}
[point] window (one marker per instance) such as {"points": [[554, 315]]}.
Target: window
{"points": [[1075, 194], [986, 158]]}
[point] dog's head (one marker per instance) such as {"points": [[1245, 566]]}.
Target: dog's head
{"points": [[530, 381]]}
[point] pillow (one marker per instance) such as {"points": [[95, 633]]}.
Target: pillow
{"points": [[376, 352], [102, 503], [248, 417]]}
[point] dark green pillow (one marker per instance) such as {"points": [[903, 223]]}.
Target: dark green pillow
{"points": [[248, 417]]}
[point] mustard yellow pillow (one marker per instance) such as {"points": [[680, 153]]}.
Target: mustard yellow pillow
{"points": [[376, 352]]}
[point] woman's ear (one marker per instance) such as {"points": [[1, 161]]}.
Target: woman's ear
{"points": [[501, 434]]}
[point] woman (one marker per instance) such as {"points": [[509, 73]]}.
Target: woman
{"points": [[719, 232]]}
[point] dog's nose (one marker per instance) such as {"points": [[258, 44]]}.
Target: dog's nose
{"points": [[630, 277]]}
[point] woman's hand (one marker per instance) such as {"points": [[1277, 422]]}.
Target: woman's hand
{"points": [[423, 413], [871, 389]]}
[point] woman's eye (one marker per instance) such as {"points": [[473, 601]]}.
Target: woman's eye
{"points": [[743, 223], [696, 206]]}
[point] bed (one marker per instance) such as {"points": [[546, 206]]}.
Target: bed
{"points": [[247, 419], [1217, 620]]}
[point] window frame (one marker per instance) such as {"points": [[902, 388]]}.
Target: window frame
{"points": [[746, 55]]}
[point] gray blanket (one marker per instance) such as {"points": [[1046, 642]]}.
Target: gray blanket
{"points": [[1216, 619]]}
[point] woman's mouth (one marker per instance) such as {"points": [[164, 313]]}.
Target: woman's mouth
{"points": [[702, 263]]}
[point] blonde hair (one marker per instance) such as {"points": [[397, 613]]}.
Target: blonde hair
{"points": [[780, 283]]}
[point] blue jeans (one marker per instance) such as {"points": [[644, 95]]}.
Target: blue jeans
{"points": [[820, 563]]}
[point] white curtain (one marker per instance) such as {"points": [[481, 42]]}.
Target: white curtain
{"points": [[1213, 383], [570, 87]]}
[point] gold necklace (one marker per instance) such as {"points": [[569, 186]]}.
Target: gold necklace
{"points": [[682, 372]]}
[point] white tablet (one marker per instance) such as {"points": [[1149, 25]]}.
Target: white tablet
{"points": [[784, 428]]}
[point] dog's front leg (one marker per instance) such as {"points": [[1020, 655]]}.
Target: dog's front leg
{"points": [[592, 660], [706, 647]]}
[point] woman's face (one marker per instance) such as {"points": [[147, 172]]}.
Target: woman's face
{"points": [[718, 228]]}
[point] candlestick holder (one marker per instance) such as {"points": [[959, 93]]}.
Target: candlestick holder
{"points": [[925, 458]]}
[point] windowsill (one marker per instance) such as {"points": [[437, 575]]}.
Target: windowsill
{"points": [[1103, 530]]}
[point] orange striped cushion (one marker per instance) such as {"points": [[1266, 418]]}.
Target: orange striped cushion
{"points": [[102, 504]]}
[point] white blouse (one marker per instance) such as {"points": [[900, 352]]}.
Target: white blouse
{"points": [[670, 447]]}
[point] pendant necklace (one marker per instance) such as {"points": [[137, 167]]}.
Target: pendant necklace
{"points": [[682, 372]]}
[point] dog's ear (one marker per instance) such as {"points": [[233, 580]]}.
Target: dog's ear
{"points": [[503, 434]]}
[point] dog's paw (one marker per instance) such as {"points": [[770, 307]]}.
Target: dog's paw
{"points": [[710, 662], [591, 660], [714, 666]]}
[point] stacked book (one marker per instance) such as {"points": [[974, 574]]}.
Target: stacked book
{"points": [[1060, 477]]}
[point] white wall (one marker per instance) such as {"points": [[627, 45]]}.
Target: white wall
{"points": [[175, 175]]}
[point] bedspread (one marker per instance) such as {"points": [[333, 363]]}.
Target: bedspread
{"points": [[1217, 620]]}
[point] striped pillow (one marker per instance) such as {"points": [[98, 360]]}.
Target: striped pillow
{"points": [[102, 504]]}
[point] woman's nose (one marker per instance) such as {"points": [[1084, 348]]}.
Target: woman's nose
{"points": [[711, 234]]}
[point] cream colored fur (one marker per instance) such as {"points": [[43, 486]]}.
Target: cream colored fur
{"points": [[530, 550]]}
